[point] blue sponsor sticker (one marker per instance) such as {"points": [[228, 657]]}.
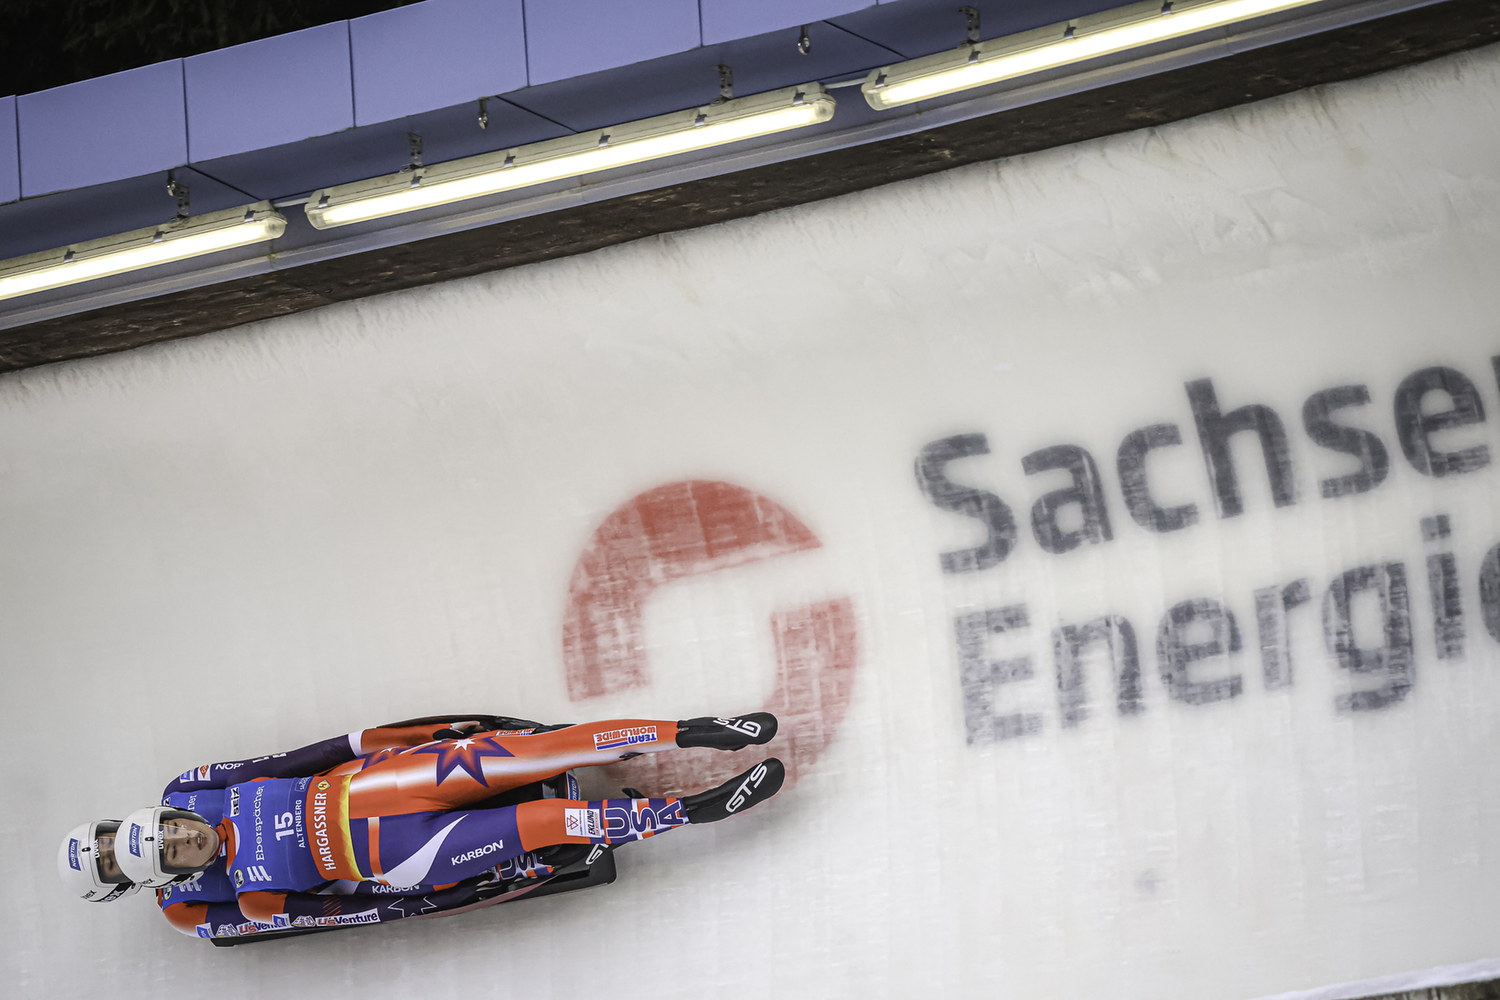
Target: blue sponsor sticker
{"points": [[186, 775], [73, 855], [135, 839]]}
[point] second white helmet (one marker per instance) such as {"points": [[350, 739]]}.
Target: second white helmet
{"points": [[86, 861]]}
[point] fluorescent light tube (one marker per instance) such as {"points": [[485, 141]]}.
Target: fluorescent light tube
{"points": [[570, 156], [175, 240], [1007, 58]]}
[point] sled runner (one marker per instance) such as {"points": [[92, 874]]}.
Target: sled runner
{"points": [[582, 874]]}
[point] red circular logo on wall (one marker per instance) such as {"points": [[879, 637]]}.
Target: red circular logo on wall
{"points": [[686, 529]]}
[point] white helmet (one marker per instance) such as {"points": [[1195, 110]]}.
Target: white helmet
{"points": [[88, 866], [141, 839]]}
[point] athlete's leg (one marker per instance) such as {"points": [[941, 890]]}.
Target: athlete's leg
{"points": [[437, 847], [431, 847], [451, 774]]}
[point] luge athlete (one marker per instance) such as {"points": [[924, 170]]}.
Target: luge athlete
{"points": [[375, 836]]}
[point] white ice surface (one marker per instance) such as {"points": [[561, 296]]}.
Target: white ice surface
{"points": [[239, 543]]}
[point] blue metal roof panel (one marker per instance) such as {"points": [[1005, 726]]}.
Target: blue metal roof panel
{"points": [[431, 55], [585, 36], [724, 20], [270, 92], [102, 130], [10, 152]]}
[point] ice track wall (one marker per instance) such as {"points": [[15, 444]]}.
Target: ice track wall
{"points": [[1115, 528]]}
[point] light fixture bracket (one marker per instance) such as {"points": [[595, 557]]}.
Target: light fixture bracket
{"points": [[971, 24], [180, 191], [414, 151]]}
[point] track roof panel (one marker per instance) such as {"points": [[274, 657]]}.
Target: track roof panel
{"points": [[585, 36], [270, 92], [725, 20], [408, 60], [102, 130], [10, 152]]}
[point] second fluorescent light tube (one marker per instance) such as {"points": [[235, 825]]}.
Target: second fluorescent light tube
{"points": [[570, 156]]}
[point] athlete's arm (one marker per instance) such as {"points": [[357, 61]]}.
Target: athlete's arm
{"points": [[315, 758], [207, 919], [303, 909], [299, 763], [217, 918]]}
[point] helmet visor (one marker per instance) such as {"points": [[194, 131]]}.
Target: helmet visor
{"points": [[105, 864]]}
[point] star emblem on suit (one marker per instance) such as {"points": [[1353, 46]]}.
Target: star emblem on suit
{"points": [[394, 903], [466, 755]]}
